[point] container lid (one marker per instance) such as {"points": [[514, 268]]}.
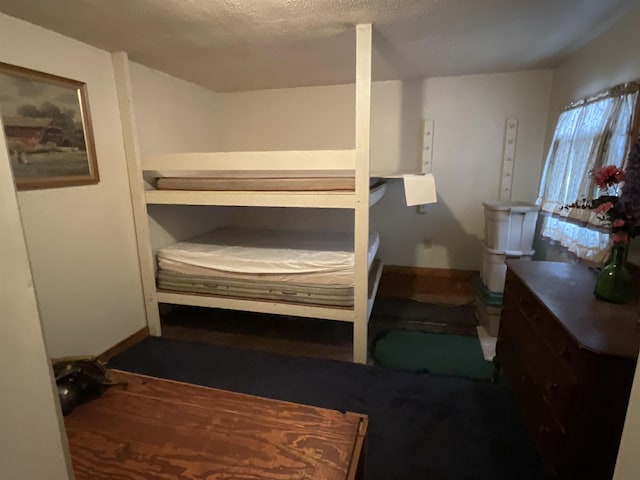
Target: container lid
{"points": [[508, 253], [520, 207]]}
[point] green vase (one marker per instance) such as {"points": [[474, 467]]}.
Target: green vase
{"points": [[615, 282]]}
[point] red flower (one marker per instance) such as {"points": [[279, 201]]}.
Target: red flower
{"points": [[622, 219], [604, 208], [608, 176]]}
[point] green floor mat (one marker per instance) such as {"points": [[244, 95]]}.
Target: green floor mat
{"points": [[436, 353]]}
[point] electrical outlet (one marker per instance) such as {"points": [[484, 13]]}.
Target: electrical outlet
{"points": [[427, 243]]}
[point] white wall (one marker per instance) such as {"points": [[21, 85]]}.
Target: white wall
{"points": [[173, 115], [288, 119], [609, 60], [469, 114], [32, 440], [80, 239]]}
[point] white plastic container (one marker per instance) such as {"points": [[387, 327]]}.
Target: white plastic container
{"points": [[488, 307], [510, 225], [488, 316], [494, 270]]}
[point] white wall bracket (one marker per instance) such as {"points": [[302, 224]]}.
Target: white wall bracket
{"points": [[508, 158], [426, 162]]}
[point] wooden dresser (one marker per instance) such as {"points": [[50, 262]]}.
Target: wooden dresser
{"points": [[570, 360]]}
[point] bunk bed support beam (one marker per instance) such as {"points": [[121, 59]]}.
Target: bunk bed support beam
{"points": [[136, 185], [363, 153]]}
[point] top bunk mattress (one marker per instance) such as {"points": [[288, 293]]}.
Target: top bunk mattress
{"points": [[309, 184], [260, 181], [247, 250]]}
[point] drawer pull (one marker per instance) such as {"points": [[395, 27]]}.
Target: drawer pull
{"points": [[535, 318], [552, 389], [544, 431]]}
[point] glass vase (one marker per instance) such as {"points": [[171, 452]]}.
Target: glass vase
{"points": [[614, 283]]}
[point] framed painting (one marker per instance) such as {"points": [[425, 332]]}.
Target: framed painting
{"points": [[48, 129]]}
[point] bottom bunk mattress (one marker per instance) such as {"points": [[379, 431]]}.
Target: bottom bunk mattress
{"points": [[311, 268]]}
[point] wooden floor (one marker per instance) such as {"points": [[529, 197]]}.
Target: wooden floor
{"points": [[162, 429]]}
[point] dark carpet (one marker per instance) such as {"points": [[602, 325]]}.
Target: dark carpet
{"points": [[421, 426], [436, 353]]}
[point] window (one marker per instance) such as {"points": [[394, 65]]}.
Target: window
{"points": [[590, 134]]}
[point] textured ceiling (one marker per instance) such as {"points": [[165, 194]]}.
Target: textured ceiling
{"points": [[231, 45]]}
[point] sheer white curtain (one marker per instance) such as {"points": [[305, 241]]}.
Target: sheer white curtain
{"points": [[590, 134]]}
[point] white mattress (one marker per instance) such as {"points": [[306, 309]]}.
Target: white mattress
{"points": [[257, 289], [242, 250], [336, 277]]}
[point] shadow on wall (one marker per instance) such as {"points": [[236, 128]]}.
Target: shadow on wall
{"points": [[434, 239], [169, 224], [437, 238], [396, 126], [396, 110], [411, 119], [464, 250]]}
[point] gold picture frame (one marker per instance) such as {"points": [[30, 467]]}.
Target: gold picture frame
{"points": [[47, 125]]}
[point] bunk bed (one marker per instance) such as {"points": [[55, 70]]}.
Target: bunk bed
{"points": [[206, 283], [323, 179]]}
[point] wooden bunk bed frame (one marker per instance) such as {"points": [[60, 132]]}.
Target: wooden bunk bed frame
{"points": [[352, 162]]}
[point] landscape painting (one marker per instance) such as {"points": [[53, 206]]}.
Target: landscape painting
{"points": [[48, 129]]}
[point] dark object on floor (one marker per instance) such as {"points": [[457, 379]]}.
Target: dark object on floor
{"points": [[79, 379], [435, 353], [421, 426]]}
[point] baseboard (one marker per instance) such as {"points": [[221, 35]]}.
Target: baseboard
{"points": [[432, 285], [124, 344]]}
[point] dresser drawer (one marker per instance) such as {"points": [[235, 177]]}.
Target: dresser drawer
{"points": [[554, 382], [548, 328], [547, 435], [570, 359]]}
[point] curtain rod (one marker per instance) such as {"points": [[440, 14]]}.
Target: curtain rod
{"points": [[615, 91]]}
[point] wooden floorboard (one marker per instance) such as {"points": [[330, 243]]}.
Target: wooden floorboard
{"points": [[272, 333], [428, 285], [124, 345], [290, 335]]}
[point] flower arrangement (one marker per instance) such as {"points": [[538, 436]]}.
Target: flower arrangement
{"points": [[608, 208], [618, 207]]}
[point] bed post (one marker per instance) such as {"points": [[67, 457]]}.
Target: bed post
{"points": [[120, 62], [361, 225]]}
